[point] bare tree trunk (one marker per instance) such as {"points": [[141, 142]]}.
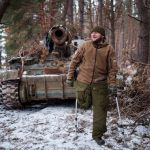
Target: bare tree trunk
{"points": [[70, 11], [123, 32], [144, 36], [129, 23], [3, 6], [149, 37], [148, 9], [66, 4], [100, 6], [42, 17], [75, 16], [81, 19], [90, 15], [112, 23], [52, 12]]}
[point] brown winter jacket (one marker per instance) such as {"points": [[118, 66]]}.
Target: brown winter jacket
{"points": [[95, 64]]}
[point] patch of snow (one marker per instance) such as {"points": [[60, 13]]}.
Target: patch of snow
{"points": [[52, 126], [78, 42], [129, 80], [141, 131], [136, 140], [127, 121]]}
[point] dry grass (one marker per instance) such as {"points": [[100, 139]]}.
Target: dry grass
{"points": [[134, 94]]}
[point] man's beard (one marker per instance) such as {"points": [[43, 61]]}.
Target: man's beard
{"points": [[98, 40]]}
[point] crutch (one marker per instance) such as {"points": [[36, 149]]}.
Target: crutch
{"points": [[119, 114], [76, 119], [125, 136], [118, 110]]}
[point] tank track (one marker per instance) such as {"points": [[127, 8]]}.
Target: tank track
{"points": [[0, 92], [9, 93]]}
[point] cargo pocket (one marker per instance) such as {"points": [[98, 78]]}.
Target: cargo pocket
{"points": [[83, 94], [100, 96]]}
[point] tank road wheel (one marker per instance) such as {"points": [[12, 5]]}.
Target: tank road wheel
{"points": [[10, 94]]}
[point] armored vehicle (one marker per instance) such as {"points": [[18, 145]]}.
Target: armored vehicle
{"points": [[39, 74]]}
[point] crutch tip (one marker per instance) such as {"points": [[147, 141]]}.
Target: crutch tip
{"points": [[75, 138]]}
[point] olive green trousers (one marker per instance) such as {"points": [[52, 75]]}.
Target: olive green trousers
{"points": [[95, 95]]}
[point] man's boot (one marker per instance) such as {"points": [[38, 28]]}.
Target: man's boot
{"points": [[99, 141]]}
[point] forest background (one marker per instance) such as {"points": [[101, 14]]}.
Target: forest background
{"points": [[127, 22]]}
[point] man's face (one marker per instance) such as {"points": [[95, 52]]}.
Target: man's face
{"points": [[96, 36]]}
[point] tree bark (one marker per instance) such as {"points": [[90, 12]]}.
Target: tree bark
{"points": [[42, 17], [52, 12], [129, 36], [66, 2], [112, 23], [144, 35], [147, 5], [81, 19], [3, 7], [70, 11], [100, 5]]}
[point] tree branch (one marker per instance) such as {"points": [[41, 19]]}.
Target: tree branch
{"points": [[135, 18], [136, 61]]}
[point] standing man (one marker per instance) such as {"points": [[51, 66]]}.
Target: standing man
{"points": [[97, 72]]}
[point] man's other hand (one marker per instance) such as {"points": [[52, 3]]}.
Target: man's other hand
{"points": [[69, 82], [112, 90]]}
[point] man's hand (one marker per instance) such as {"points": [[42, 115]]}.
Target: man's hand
{"points": [[69, 82], [112, 90]]}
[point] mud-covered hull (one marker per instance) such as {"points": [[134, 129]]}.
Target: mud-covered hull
{"points": [[45, 87], [16, 93]]}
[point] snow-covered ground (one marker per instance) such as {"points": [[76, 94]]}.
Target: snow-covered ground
{"points": [[52, 127]]}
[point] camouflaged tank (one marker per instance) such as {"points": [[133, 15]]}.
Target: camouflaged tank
{"points": [[39, 74]]}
